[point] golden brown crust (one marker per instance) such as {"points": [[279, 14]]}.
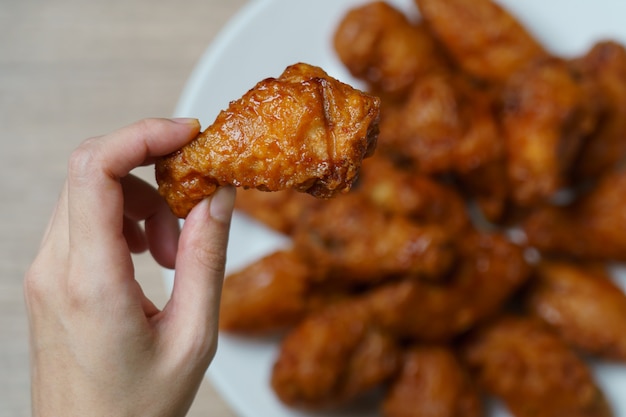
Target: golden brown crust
{"points": [[378, 44], [304, 131], [592, 228], [267, 295], [547, 114], [533, 371], [583, 305], [432, 383], [605, 64], [489, 272], [389, 246], [484, 39], [332, 357]]}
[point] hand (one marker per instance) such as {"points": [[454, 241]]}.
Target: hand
{"points": [[99, 347]]}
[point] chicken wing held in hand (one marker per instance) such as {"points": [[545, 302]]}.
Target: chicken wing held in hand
{"points": [[304, 130]]}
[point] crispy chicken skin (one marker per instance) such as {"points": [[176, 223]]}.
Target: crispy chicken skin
{"points": [[304, 131], [605, 63], [378, 44], [583, 305], [421, 198], [533, 371], [471, 257], [547, 114], [332, 357], [431, 383], [268, 295], [488, 274], [279, 211], [444, 125], [426, 129], [359, 244], [274, 293], [482, 38], [592, 228]]}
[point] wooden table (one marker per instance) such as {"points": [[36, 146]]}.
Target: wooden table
{"points": [[71, 69]]}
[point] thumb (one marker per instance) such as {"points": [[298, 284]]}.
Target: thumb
{"points": [[200, 264]]}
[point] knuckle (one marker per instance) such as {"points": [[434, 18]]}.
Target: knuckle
{"points": [[35, 286], [82, 159], [199, 348]]}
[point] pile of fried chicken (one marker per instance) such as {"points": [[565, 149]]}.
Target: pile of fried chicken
{"points": [[419, 282]]}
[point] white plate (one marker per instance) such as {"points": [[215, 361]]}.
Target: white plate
{"points": [[260, 41]]}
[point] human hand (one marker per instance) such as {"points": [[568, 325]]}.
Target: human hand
{"points": [[99, 346]]}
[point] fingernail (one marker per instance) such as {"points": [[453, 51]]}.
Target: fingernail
{"points": [[222, 204], [186, 121]]}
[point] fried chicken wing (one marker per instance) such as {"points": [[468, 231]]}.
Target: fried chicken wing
{"points": [[489, 272], [547, 114], [447, 126], [426, 129], [268, 295], [332, 357], [304, 131], [484, 39], [592, 228], [606, 147], [419, 197], [360, 244], [377, 43], [584, 305], [431, 383], [533, 371], [279, 211]]}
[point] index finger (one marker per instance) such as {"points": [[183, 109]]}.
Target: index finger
{"points": [[95, 198]]}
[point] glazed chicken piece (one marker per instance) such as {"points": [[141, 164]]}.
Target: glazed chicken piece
{"points": [[445, 125], [349, 347], [606, 147], [427, 128], [332, 357], [489, 272], [274, 293], [268, 295], [485, 187], [358, 244], [304, 130], [421, 198], [279, 211], [431, 383], [583, 305], [592, 228], [547, 114], [533, 371], [378, 44], [485, 40]]}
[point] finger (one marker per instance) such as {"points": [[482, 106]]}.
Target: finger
{"points": [[142, 202], [135, 236], [56, 231], [200, 265], [50, 265], [95, 198]]}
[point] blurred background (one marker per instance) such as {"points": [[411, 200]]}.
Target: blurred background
{"points": [[69, 70]]}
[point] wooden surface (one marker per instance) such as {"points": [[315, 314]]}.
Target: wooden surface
{"points": [[71, 69]]}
